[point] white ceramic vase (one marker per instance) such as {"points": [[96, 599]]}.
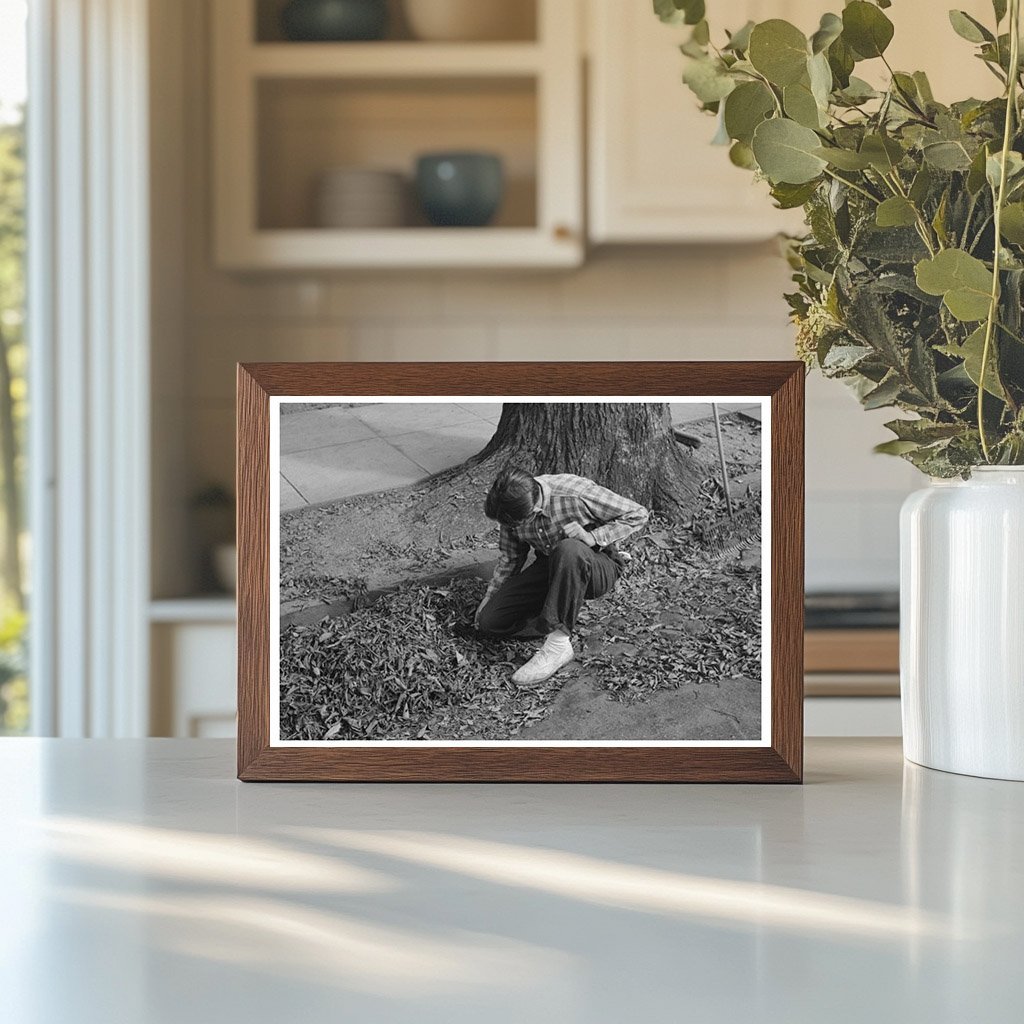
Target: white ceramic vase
{"points": [[962, 624]]}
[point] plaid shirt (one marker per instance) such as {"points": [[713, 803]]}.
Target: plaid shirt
{"points": [[565, 499]]}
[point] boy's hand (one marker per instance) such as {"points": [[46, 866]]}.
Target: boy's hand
{"points": [[476, 617], [574, 531]]}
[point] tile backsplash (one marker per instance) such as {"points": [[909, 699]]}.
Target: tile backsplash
{"points": [[717, 302]]}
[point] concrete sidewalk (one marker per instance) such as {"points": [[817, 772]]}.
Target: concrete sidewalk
{"points": [[337, 452]]}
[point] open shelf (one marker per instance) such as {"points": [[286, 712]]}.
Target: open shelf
{"points": [[286, 114], [306, 128], [520, 15]]}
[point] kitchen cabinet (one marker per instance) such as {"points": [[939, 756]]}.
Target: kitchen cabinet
{"points": [[653, 175], [287, 113], [192, 647]]}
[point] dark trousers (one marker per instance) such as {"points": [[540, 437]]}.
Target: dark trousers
{"points": [[549, 593]]}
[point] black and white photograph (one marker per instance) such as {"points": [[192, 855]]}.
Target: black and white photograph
{"points": [[549, 572]]}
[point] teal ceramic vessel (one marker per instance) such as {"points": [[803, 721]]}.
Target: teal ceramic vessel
{"points": [[461, 190], [334, 21]]}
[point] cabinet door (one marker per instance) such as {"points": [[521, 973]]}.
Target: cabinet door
{"points": [[654, 175]]}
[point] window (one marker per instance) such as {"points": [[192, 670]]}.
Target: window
{"points": [[14, 548]]}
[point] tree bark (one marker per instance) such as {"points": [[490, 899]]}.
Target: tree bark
{"points": [[628, 447]]}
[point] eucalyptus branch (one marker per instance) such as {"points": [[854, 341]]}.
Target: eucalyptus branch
{"points": [[889, 286], [1000, 199]]}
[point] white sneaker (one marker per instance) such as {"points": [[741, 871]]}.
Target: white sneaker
{"points": [[544, 664]]}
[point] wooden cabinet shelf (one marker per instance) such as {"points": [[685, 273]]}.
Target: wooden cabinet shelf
{"points": [[312, 248], [393, 60], [852, 650], [285, 114]]}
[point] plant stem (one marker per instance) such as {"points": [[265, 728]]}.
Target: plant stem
{"points": [[1012, 334], [977, 238], [855, 187], [970, 217], [768, 85], [922, 225], [993, 309]]}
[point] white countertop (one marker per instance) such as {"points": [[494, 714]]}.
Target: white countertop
{"points": [[143, 885]]}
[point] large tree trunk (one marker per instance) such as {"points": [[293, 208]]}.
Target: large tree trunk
{"points": [[627, 447]]}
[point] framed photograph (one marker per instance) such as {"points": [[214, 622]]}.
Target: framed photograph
{"points": [[523, 572]]}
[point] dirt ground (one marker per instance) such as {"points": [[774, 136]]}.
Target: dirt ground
{"points": [[378, 593]]}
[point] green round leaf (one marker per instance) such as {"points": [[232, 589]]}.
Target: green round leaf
{"points": [[800, 105], [866, 29], [778, 50], [747, 106], [789, 197], [961, 279], [841, 60], [895, 212], [946, 156], [968, 28], [882, 152], [674, 12], [844, 159], [785, 152], [1014, 169], [829, 31], [708, 81], [740, 39], [820, 75], [972, 353], [743, 156], [1012, 224]]}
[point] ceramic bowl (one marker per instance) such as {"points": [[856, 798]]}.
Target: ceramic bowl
{"points": [[358, 197], [460, 189], [334, 20]]}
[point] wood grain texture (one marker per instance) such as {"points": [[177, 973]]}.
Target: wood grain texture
{"points": [[783, 382], [852, 650], [787, 570], [252, 487]]}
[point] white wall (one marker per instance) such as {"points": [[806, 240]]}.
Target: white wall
{"points": [[664, 303]]}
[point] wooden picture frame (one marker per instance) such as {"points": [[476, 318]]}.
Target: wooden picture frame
{"points": [[778, 757]]}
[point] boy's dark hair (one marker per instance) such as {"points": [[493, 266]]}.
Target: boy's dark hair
{"points": [[512, 496]]}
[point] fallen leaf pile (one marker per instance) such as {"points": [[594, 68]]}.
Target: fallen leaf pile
{"points": [[321, 587], [678, 616], [411, 666], [388, 670]]}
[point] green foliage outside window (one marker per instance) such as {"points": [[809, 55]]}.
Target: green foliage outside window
{"points": [[13, 412]]}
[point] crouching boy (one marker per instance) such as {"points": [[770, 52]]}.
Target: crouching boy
{"points": [[573, 526]]}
